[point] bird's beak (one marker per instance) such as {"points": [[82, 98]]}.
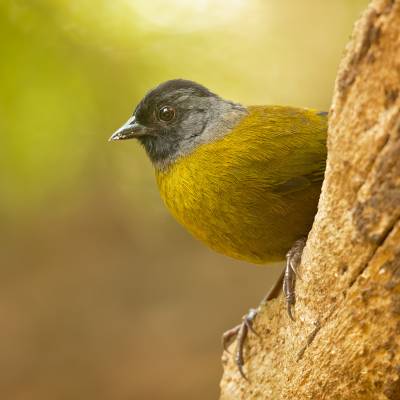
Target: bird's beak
{"points": [[130, 130]]}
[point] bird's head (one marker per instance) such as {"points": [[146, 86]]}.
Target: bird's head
{"points": [[176, 117]]}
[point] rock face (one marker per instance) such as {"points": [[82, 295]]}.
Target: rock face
{"points": [[345, 342]]}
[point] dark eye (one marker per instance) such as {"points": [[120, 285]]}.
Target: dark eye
{"points": [[166, 113]]}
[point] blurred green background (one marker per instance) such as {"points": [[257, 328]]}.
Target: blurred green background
{"points": [[102, 294]]}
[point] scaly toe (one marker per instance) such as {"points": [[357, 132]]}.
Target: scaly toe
{"points": [[241, 332]]}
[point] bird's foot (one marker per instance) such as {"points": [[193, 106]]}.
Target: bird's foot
{"points": [[241, 332], [293, 258]]}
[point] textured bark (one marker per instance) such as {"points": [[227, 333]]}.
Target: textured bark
{"points": [[345, 342]]}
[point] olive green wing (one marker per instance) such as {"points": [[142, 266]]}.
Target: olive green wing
{"points": [[304, 139], [281, 149], [299, 182]]}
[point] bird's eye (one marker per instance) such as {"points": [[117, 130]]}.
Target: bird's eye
{"points": [[166, 113]]}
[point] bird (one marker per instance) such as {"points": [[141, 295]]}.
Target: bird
{"points": [[245, 180]]}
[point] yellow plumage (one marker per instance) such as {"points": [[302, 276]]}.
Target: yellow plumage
{"points": [[252, 193]]}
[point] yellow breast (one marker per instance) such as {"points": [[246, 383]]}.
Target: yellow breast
{"points": [[224, 191]]}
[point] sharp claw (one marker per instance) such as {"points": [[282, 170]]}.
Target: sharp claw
{"points": [[240, 362], [240, 367], [289, 311]]}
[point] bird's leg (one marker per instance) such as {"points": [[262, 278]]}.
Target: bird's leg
{"points": [[241, 331], [293, 258], [288, 278]]}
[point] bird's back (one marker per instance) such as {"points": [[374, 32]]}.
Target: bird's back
{"points": [[253, 192]]}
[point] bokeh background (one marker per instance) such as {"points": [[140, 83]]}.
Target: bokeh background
{"points": [[102, 294]]}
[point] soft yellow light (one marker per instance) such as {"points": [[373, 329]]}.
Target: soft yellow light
{"points": [[186, 15]]}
